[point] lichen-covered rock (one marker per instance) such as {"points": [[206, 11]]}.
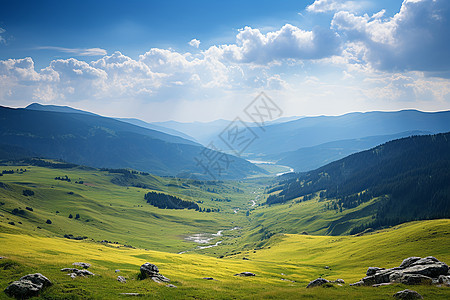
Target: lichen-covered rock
{"points": [[121, 279], [413, 270], [149, 270], [317, 282], [38, 279], [23, 289], [409, 261], [415, 279], [407, 295]]}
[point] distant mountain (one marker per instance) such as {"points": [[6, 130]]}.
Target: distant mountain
{"points": [[152, 126], [57, 108], [410, 174], [310, 158], [104, 142], [137, 122], [203, 132], [313, 131]]}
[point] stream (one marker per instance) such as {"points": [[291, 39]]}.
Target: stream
{"points": [[204, 239]]}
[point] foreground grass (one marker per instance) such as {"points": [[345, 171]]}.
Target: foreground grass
{"points": [[298, 258]]}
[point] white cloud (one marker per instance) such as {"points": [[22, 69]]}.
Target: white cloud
{"points": [[290, 42], [194, 43], [323, 6], [416, 38], [77, 51]]}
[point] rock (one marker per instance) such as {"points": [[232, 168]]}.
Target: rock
{"points": [[208, 278], [430, 270], [171, 286], [317, 282], [121, 279], [117, 271], [408, 261], [415, 279], [382, 284], [82, 265], [339, 281], [407, 295], [359, 283], [327, 267], [413, 270], [75, 272], [372, 270], [23, 289], [444, 280], [38, 279], [149, 270], [245, 274], [71, 270]]}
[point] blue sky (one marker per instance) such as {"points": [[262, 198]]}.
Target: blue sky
{"points": [[204, 60]]}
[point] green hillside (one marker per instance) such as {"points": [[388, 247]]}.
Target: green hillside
{"points": [[409, 177]]}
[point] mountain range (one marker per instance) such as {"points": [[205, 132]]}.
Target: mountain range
{"points": [[92, 140]]}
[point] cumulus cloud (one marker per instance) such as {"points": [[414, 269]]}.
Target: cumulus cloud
{"points": [[194, 43], [322, 6], [416, 38], [290, 42], [77, 51]]}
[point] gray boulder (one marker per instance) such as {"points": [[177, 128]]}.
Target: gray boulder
{"points": [[341, 281], [415, 279], [75, 272], [431, 270], [149, 270], [407, 295], [82, 265], [121, 279], [317, 282], [409, 261], [23, 289], [38, 279]]}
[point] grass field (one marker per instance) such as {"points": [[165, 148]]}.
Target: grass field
{"points": [[266, 241], [300, 258]]}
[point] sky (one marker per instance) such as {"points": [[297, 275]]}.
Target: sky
{"points": [[207, 60]]}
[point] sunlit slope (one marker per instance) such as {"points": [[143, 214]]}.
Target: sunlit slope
{"points": [[114, 212], [300, 258]]}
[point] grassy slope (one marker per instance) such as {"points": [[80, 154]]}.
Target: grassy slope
{"points": [[115, 213], [300, 258]]}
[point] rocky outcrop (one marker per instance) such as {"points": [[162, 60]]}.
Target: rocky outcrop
{"points": [[407, 295], [149, 270], [317, 282], [412, 271], [28, 286]]}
